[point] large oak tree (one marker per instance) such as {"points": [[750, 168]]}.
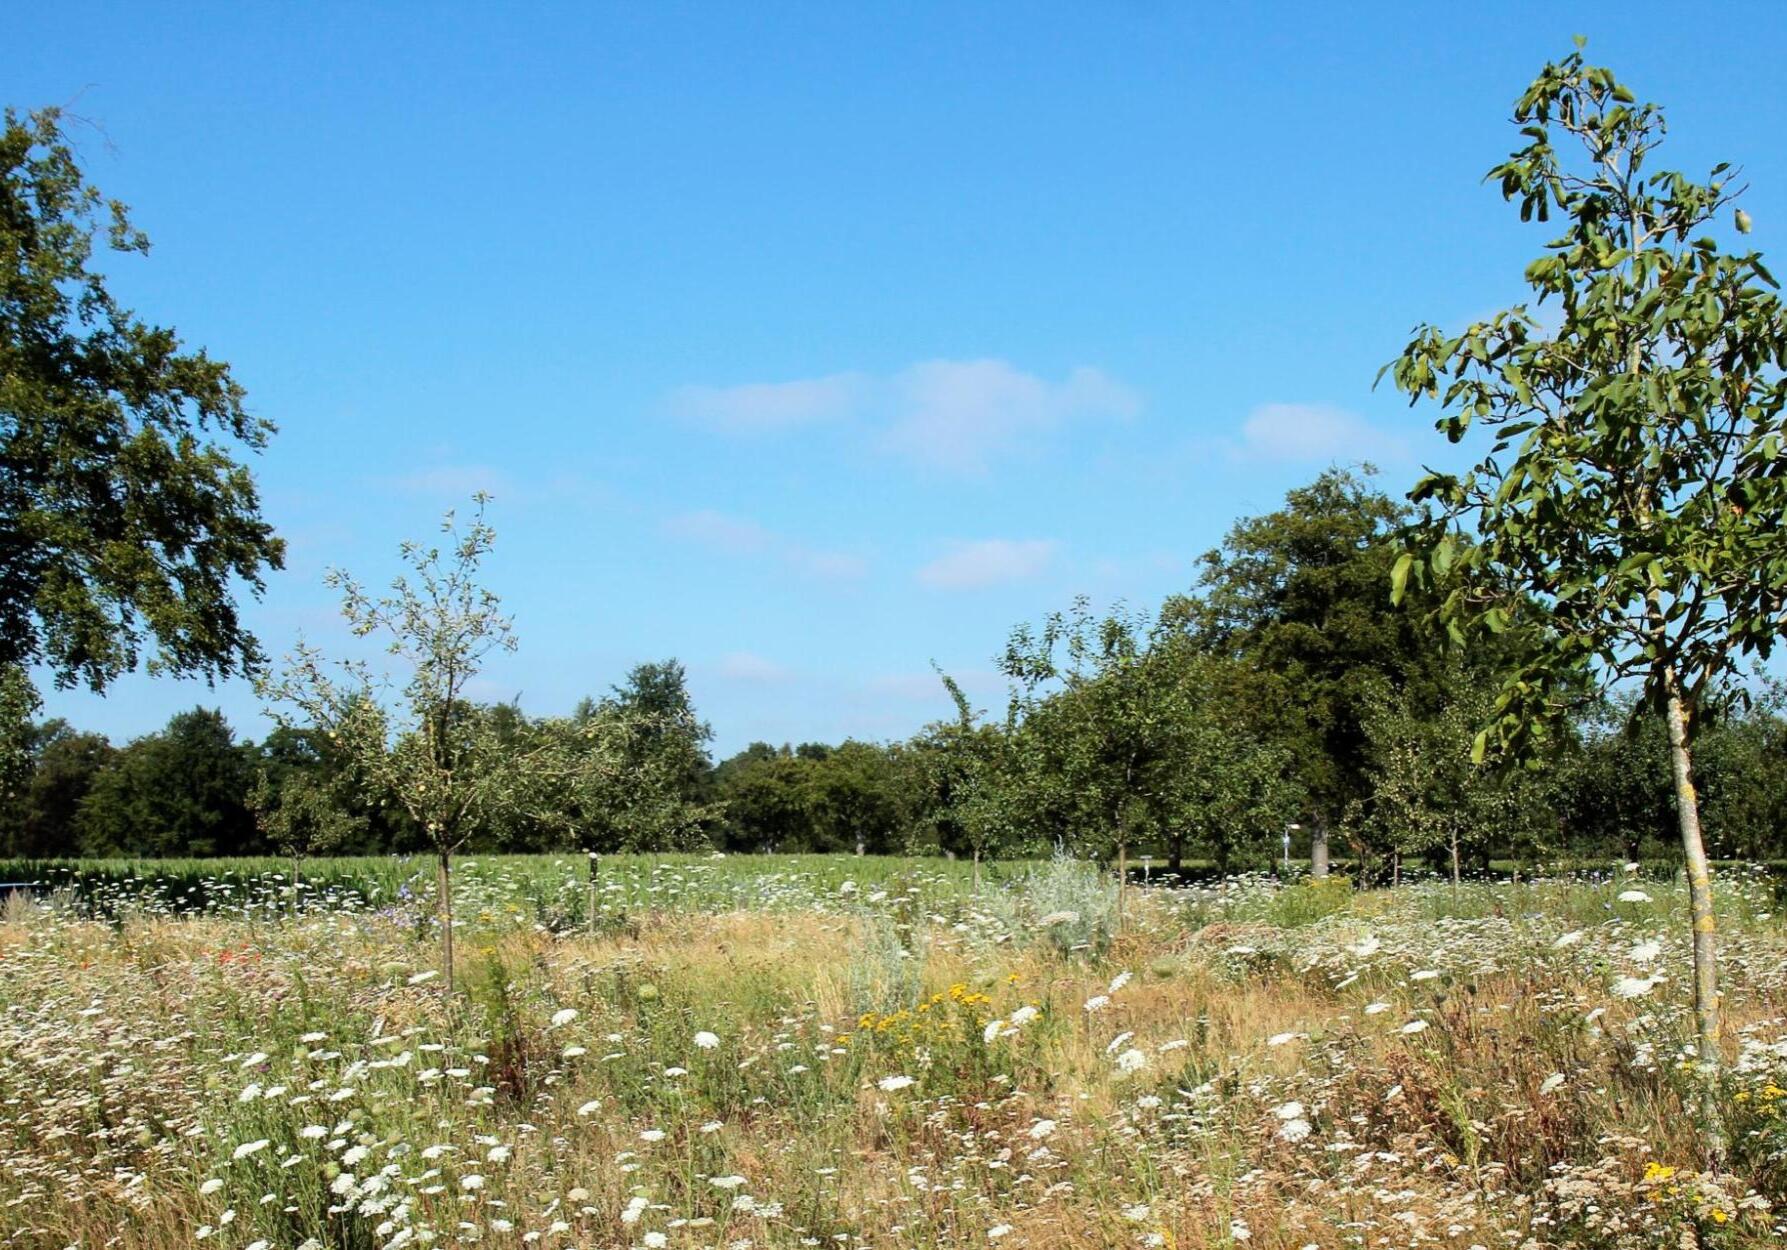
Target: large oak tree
{"points": [[126, 515]]}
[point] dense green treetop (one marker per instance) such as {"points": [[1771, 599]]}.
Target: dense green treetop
{"points": [[1300, 597]]}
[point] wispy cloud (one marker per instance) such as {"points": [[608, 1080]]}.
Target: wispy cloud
{"points": [[748, 666], [763, 407], [830, 566], [1310, 432], [741, 536], [717, 531], [988, 562], [957, 415], [458, 481], [952, 415]]}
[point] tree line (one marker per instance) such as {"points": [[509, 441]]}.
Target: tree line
{"points": [[1283, 694]]}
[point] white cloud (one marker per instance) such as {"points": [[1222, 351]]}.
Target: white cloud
{"points": [[741, 536], [957, 414], [987, 562], [749, 666], [954, 415], [761, 407], [1315, 432]]}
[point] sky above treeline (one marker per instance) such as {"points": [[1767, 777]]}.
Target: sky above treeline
{"points": [[809, 344]]}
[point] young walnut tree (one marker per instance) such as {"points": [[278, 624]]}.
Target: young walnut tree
{"points": [[1638, 476]]}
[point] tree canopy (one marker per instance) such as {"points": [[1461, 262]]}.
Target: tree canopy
{"points": [[127, 517]]}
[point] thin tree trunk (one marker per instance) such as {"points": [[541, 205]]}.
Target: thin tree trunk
{"points": [[1454, 867], [297, 864], [1318, 850], [977, 871], [444, 904], [1700, 901], [1396, 867]]}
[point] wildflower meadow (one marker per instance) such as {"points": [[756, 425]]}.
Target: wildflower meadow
{"points": [[745, 1052]]}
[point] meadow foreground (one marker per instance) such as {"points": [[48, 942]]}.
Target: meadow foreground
{"points": [[890, 1060]]}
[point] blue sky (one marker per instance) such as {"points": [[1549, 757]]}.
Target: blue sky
{"points": [[809, 344]]}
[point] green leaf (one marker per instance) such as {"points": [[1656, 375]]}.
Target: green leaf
{"points": [[1399, 576]]}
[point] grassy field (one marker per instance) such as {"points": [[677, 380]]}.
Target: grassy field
{"points": [[840, 1052]]}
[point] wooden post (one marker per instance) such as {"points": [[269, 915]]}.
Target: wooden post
{"points": [[444, 906], [589, 916], [1122, 879], [1454, 865]]}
